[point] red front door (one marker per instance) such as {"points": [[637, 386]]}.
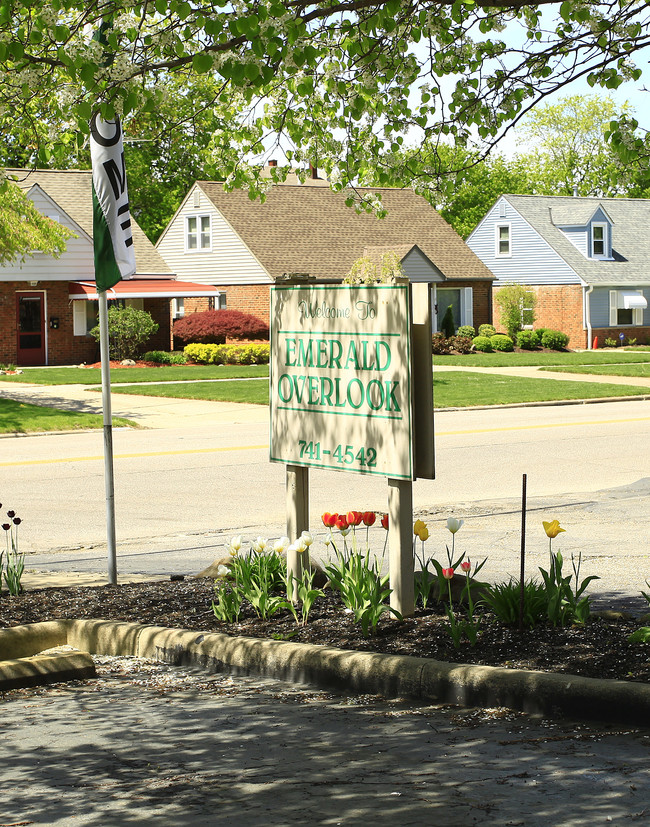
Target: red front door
{"points": [[30, 315]]}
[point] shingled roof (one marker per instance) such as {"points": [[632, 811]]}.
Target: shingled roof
{"points": [[630, 218], [309, 229], [71, 190]]}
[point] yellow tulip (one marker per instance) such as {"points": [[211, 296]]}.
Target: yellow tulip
{"points": [[552, 529], [418, 525]]}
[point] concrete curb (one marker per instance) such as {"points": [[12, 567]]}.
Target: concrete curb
{"points": [[42, 669], [548, 694]]}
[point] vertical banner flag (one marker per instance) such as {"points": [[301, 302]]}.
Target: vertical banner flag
{"points": [[112, 239]]}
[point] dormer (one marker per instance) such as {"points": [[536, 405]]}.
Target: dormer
{"points": [[589, 230]]}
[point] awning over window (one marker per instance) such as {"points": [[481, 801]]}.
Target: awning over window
{"points": [[143, 289], [631, 300]]}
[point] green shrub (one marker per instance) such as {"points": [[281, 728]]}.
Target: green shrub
{"points": [[466, 330], [483, 344], [440, 344], [162, 357], [252, 354], [554, 340], [611, 342], [487, 330], [501, 342], [517, 306], [527, 340], [128, 330], [461, 344], [447, 325]]}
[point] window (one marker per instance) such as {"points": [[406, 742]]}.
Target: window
{"points": [[626, 308], [198, 234], [599, 241], [178, 308], [503, 240], [85, 316], [461, 301]]}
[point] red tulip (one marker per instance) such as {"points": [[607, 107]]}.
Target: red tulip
{"points": [[384, 521], [466, 566], [329, 520], [341, 521], [447, 573], [354, 518], [369, 517]]}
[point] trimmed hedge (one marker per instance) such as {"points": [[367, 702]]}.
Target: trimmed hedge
{"points": [[213, 327], [163, 357], [227, 354], [487, 330], [482, 344], [554, 340], [502, 343]]}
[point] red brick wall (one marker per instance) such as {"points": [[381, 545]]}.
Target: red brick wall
{"points": [[641, 334], [63, 347], [559, 307]]}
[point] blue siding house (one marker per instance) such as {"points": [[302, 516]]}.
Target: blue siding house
{"points": [[587, 260]]}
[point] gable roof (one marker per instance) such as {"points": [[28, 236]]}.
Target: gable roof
{"points": [[71, 190], [309, 229], [630, 218]]}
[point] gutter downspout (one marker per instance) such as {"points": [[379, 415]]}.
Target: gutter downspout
{"points": [[587, 307]]}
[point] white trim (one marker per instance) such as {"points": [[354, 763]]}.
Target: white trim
{"points": [[599, 225], [467, 305], [633, 300], [200, 232], [502, 225]]}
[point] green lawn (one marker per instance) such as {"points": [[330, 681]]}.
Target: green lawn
{"points": [[451, 389], [22, 418], [532, 359], [165, 373], [642, 370]]}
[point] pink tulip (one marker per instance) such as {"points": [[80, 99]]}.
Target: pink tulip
{"points": [[466, 566], [447, 573]]}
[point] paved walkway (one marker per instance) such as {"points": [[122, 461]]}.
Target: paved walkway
{"points": [[150, 744]]}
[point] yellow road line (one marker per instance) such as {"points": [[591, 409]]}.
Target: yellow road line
{"points": [[135, 455], [468, 431]]}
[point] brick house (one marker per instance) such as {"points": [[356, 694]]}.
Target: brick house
{"points": [[586, 259], [48, 305], [241, 246]]}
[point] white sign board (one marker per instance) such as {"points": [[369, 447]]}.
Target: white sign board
{"points": [[340, 378]]}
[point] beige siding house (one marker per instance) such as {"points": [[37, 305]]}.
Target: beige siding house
{"points": [[48, 305], [241, 246]]}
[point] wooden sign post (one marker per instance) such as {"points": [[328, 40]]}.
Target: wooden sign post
{"points": [[341, 398]]}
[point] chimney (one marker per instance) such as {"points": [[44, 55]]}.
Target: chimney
{"points": [[273, 162], [313, 172], [575, 190]]}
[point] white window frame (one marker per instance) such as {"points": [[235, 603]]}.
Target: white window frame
{"points": [[466, 305], [80, 317], [616, 304], [178, 308], [202, 237], [599, 225], [497, 239]]}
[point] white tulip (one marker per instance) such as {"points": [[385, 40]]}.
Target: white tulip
{"points": [[454, 524]]}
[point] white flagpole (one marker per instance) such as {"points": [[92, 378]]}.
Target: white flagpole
{"points": [[108, 438]]}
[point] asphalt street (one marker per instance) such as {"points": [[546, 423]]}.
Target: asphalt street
{"points": [[199, 473]]}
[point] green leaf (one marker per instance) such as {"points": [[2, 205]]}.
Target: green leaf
{"points": [[641, 635], [202, 63]]}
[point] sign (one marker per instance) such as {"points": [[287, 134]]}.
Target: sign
{"points": [[340, 378]]}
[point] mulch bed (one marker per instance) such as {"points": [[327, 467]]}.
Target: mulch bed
{"points": [[599, 649]]}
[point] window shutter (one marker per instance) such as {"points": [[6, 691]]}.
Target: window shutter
{"points": [[637, 316], [468, 306], [79, 317], [613, 307]]}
